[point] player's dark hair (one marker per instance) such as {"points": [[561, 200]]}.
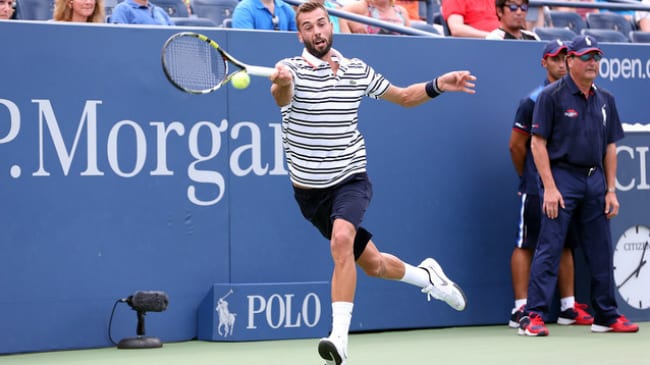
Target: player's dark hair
{"points": [[502, 3], [308, 7]]}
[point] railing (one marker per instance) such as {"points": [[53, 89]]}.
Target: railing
{"points": [[371, 21], [613, 5]]}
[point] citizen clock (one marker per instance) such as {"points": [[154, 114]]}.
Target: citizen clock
{"points": [[631, 268]]}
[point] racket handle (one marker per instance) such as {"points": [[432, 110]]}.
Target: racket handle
{"points": [[260, 71]]}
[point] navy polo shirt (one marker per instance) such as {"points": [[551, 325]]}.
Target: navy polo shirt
{"points": [[523, 124], [577, 129]]}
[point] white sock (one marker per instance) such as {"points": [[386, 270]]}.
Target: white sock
{"points": [[520, 302], [567, 302], [415, 276], [341, 318]]}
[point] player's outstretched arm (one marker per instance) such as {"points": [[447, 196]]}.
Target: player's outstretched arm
{"points": [[417, 94], [457, 81]]}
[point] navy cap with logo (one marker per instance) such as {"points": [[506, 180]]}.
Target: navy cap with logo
{"points": [[583, 44], [553, 48]]}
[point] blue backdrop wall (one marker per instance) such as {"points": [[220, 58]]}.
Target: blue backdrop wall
{"points": [[113, 181]]}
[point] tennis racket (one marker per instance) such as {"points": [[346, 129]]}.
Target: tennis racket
{"points": [[198, 65]]}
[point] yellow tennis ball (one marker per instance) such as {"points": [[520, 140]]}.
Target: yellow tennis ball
{"points": [[240, 80]]}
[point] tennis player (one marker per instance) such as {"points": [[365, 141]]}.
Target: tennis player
{"points": [[319, 94]]}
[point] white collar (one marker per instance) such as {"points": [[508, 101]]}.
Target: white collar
{"points": [[315, 62]]}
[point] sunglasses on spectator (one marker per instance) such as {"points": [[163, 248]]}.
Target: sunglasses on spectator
{"points": [[513, 7], [276, 22], [590, 56]]}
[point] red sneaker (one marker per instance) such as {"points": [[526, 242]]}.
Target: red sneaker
{"points": [[532, 325], [576, 315], [622, 325]]}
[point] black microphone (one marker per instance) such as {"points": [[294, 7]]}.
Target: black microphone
{"points": [[148, 301]]}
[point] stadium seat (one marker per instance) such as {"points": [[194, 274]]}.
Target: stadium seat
{"points": [[422, 25], [638, 36], [34, 9], [428, 8], [216, 10], [193, 21], [569, 19], [174, 8], [551, 33], [609, 21], [440, 20], [606, 35]]}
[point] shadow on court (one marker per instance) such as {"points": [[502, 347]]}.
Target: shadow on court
{"points": [[482, 345]]}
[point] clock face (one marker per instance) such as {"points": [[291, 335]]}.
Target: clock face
{"points": [[631, 266]]}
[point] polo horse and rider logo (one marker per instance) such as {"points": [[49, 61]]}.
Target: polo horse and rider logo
{"points": [[226, 319]]}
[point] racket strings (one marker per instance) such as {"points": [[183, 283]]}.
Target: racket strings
{"points": [[194, 64]]}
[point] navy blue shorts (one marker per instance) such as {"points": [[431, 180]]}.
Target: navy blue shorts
{"points": [[346, 200], [530, 218]]}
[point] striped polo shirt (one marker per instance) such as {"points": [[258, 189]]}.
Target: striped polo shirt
{"points": [[322, 143]]}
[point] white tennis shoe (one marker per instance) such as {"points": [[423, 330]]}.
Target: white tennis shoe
{"points": [[333, 350], [441, 287]]}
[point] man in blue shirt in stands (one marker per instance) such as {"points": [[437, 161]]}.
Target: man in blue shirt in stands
{"points": [[139, 12], [264, 15]]}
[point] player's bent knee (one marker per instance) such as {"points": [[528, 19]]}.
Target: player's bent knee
{"points": [[373, 266]]}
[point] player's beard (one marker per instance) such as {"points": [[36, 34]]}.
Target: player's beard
{"points": [[320, 50]]}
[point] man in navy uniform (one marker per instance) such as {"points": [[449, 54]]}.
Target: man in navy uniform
{"points": [[575, 129], [571, 312]]}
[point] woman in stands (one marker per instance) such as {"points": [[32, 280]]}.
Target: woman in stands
{"points": [[384, 10], [6, 9], [81, 11]]}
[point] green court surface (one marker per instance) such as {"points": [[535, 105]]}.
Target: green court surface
{"points": [[479, 345]]}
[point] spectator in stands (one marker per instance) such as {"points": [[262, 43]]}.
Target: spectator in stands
{"points": [[512, 16], [139, 12], [470, 18], [81, 11], [7, 9], [385, 10], [265, 15], [643, 18]]}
